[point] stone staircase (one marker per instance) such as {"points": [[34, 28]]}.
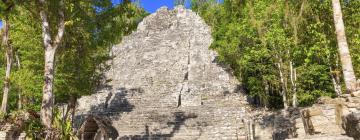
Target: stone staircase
{"points": [[150, 117]]}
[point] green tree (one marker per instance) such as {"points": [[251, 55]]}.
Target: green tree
{"points": [[27, 76], [82, 59], [269, 44], [7, 6], [51, 42]]}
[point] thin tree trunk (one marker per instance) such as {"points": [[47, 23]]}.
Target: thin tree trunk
{"points": [[19, 101], [50, 47], [345, 58], [295, 23], [293, 83], [292, 80], [19, 67], [17, 60], [70, 108], [335, 81], [265, 100], [336, 86], [8, 47], [337, 78], [282, 82], [296, 103]]}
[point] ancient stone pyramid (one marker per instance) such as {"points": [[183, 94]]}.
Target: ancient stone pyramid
{"points": [[165, 83]]}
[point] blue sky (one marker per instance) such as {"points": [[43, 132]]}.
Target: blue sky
{"points": [[149, 5], [152, 5]]}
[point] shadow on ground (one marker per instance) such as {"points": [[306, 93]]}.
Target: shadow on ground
{"points": [[180, 118]]}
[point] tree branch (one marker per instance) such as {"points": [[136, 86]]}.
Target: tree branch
{"points": [[45, 25], [61, 26]]}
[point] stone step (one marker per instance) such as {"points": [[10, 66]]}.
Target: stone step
{"points": [[338, 137]]}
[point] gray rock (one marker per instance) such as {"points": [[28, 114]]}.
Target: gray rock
{"points": [[351, 125]]}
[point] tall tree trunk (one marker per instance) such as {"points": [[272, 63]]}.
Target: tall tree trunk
{"points": [[50, 46], [345, 58], [48, 99], [8, 48]]}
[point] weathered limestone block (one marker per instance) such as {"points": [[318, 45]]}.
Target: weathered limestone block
{"points": [[321, 121]]}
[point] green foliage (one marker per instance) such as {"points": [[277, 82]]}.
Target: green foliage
{"points": [[314, 81], [82, 57], [63, 126], [91, 28], [351, 14], [253, 37], [2, 117], [27, 77], [33, 129]]}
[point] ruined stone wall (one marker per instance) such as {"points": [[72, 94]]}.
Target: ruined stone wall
{"points": [[324, 120]]}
